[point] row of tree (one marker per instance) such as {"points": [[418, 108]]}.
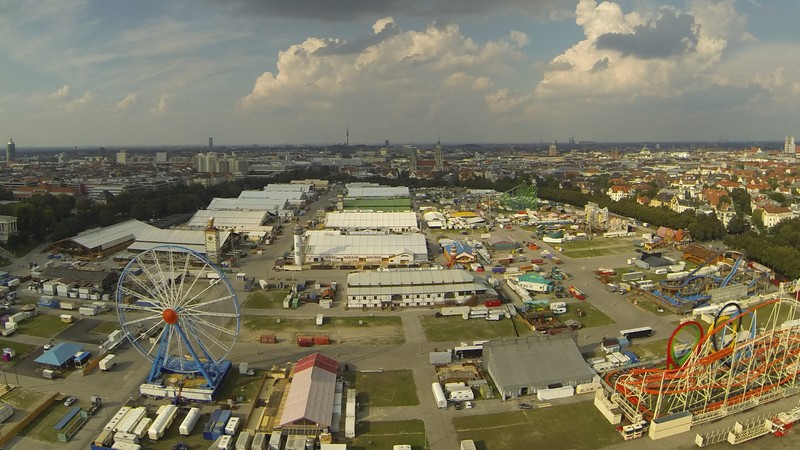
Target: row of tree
{"points": [[778, 248]]}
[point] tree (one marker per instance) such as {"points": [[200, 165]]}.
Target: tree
{"points": [[738, 225], [741, 201]]}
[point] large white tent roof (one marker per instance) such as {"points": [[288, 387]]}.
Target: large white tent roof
{"points": [[248, 203], [327, 244], [227, 219], [377, 191], [110, 236], [191, 239], [371, 220]]}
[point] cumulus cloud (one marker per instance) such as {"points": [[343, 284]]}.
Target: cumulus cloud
{"points": [[668, 35], [164, 104], [127, 102], [323, 72], [655, 54], [355, 9], [61, 94], [79, 103]]}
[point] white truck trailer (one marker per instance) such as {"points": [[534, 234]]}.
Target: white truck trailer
{"points": [[108, 362], [438, 395]]}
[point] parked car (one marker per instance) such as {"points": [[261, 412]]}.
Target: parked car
{"points": [[70, 401], [469, 405], [458, 405], [525, 406]]}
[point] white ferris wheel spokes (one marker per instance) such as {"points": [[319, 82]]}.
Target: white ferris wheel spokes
{"points": [[177, 309]]}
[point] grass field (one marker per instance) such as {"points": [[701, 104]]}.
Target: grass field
{"points": [[21, 398], [597, 247], [385, 435], [41, 429], [236, 385], [105, 328], [19, 348], [593, 317], [454, 328], [45, 326], [647, 348], [572, 426], [389, 388], [331, 323], [266, 300]]}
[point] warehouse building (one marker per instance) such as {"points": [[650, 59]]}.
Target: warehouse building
{"points": [[308, 407], [396, 222], [386, 249], [415, 288], [250, 223], [522, 366], [104, 241], [295, 199]]}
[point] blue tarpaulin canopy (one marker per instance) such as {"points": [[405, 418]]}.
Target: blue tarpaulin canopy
{"points": [[59, 354]]}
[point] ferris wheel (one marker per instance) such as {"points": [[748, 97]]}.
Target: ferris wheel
{"points": [[179, 311]]}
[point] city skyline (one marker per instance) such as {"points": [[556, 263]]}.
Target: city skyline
{"points": [[85, 73]]}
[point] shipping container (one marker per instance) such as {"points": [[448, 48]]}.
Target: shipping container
{"points": [[67, 305], [305, 341], [259, 441], [321, 340], [107, 362], [268, 339], [275, 441], [243, 441]]}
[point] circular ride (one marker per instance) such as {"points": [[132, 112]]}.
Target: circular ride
{"points": [[181, 313]]}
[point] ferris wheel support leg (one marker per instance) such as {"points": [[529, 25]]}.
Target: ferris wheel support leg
{"points": [[200, 366], [158, 361]]}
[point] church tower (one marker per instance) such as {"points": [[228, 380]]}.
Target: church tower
{"points": [[212, 242], [438, 158]]}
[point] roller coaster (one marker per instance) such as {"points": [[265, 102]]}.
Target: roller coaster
{"points": [[694, 289], [745, 358]]}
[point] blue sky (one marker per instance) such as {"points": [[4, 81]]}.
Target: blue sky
{"points": [[116, 73]]}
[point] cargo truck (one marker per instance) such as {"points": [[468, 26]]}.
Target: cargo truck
{"points": [[87, 310]]}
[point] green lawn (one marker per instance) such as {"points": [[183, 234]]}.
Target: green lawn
{"points": [[236, 385], [266, 300], [454, 328], [649, 348], [44, 325], [105, 328], [572, 426], [20, 349], [41, 429], [331, 323], [593, 317], [385, 435], [389, 388]]}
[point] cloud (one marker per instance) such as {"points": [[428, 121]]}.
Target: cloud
{"points": [[164, 104], [127, 102], [61, 94], [356, 9], [79, 103], [405, 69], [655, 54], [668, 35]]}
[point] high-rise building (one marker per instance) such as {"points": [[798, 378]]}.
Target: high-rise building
{"points": [[122, 157], [788, 145], [11, 151], [552, 150]]}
